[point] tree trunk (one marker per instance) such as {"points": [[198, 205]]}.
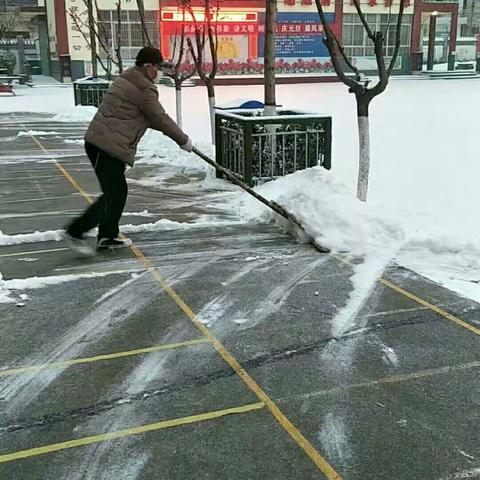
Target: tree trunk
{"points": [[364, 158], [93, 40], [178, 103], [363, 104], [211, 104], [269, 58], [118, 40]]}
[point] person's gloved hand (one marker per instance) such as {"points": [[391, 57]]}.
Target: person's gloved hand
{"points": [[188, 147]]}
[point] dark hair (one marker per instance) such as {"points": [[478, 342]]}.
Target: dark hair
{"points": [[149, 55]]}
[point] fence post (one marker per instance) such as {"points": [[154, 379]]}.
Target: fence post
{"points": [[247, 153], [218, 143], [327, 161]]}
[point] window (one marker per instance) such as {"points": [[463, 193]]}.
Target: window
{"points": [[357, 43], [132, 32]]}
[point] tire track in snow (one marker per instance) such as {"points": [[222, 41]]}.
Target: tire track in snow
{"points": [[260, 307], [20, 391], [102, 459]]}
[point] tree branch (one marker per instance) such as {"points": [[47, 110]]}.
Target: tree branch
{"points": [[78, 24], [382, 71], [397, 39], [369, 31], [345, 58], [330, 43], [141, 10]]}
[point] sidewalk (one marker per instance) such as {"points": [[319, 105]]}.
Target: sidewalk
{"points": [[207, 352]]}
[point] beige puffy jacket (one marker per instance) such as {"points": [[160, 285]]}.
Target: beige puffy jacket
{"points": [[129, 107]]}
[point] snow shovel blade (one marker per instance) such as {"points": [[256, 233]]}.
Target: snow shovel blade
{"points": [[269, 203]]}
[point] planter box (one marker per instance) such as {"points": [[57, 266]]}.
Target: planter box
{"points": [[90, 91], [259, 148]]}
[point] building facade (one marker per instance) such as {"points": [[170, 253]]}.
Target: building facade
{"points": [[239, 25], [23, 32]]}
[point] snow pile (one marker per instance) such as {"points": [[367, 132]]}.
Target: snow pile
{"points": [[4, 292], [379, 231], [156, 148], [203, 221], [32, 133], [76, 114], [329, 211], [33, 283], [47, 236]]}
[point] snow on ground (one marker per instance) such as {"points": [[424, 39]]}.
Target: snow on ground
{"points": [[31, 133], [423, 197]]}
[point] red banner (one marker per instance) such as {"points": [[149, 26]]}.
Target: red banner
{"points": [[222, 28], [231, 28]]}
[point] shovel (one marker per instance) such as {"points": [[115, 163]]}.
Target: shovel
{"points": [[290, 217]]}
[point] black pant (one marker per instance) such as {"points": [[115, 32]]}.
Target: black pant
{"points": [[108, 208]]}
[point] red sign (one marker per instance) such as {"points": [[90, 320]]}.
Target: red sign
{"points": [[222, 28], [296, 29]]}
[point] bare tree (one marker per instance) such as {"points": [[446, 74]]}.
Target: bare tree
{"points": [[360, 88], [269, 56], [182, 69], [97, 34], [92, 33], [118, 37], [204, 32]]}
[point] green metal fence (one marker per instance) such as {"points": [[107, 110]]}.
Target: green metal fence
{"points": [[90, 92], [259, 148]]}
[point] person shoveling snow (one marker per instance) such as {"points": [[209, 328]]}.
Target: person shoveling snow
{"points": [[128, 109]]}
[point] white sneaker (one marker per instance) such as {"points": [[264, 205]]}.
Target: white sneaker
{"points": [[78, 245], [113, 243]]}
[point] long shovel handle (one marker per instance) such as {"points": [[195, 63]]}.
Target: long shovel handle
{"points": [[234, 179], [269, 203]]}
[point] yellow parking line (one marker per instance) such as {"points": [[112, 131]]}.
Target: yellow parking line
{"points": [[65, 173], [289, 427], [417, 299], [33, 452], [394, 379], [107, 356], [430, 306]]}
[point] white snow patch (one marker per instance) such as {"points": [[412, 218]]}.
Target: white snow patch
{"points": [[334, 439], [5, 292], [75, 141], [464, 474], [363, 281], [33, 283], [143, 213], [32, 133], [389, 356], [203, 221], [76, 114], [46, 236]]}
